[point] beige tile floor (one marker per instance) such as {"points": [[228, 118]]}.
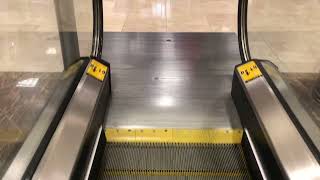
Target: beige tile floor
{"points": [[286, 31], [175, 15], [163, 15]]}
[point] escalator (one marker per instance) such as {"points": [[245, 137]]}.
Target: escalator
{"points": [[118, 128]]}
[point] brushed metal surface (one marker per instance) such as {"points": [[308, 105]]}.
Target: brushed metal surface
{"points": [[62, 153], [309, 124], [178, 80], [294, 156]]}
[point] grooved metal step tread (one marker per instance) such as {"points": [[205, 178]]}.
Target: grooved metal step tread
{"points": [[175, 178], [157, 160], [175, 153]]}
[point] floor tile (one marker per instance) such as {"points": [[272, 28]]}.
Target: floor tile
{"points": [[222, 22], [144, 23]]}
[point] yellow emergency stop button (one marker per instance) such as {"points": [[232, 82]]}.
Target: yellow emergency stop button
{"points": [[97, 70], [249, 71]]}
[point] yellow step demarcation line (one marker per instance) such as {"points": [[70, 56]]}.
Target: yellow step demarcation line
{"points": [[135, 172], [171, 135], [10, 135]]}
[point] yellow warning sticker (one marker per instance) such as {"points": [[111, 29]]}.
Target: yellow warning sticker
{"points": [[249, 71], [97, 70]]}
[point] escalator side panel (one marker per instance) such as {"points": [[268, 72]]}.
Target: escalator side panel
{"points": [[26, 161], [249, 121], [100, 110], [272, 128], [74, 134], [313, 145]]}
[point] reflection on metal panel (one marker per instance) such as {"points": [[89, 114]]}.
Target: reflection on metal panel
{"points": [[30, 82], [287, 144]]}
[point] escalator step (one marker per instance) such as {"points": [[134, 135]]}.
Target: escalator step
{"points": [[173, 178], [178, 160]]}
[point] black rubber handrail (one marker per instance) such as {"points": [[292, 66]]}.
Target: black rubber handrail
{"points": [[242, 31], [97, 37]]}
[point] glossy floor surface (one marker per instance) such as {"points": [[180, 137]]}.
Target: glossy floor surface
{"points": [[126, 15], [171, 15], [285, 32], [172, 80]]}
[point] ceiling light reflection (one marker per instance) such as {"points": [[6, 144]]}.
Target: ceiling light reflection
{"points": [[51, 51], [306, 173], [169, 79], [165, 101], [30, 82], [159, 9]]}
